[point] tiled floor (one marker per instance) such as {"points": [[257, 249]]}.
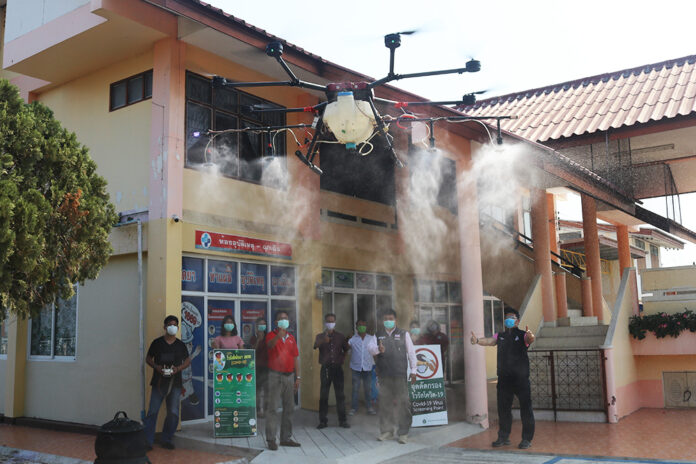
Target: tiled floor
{"points": [[648, 433], [82, 446]]}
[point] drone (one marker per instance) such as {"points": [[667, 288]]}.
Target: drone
{"points": [[349, 115]]}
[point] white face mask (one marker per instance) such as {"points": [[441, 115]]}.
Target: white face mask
{"points": [[172, 329], [330, 325]]}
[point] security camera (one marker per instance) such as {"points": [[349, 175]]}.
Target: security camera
{"points": [[176, 218]]}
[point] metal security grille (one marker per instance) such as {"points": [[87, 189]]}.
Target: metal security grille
{"points": [[567, 380]]}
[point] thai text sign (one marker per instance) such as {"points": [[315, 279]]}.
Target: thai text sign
{"points": [[427, 395], [234, 393], [244, 245]]}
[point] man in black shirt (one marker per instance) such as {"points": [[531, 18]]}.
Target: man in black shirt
{"points": [[513, 377], [167, 356], [332, 347]]}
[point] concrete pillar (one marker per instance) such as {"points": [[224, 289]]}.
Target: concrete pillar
{"points": [[561, 294], [586, 286], [542, 256], [167, 156], [15, 367], [624, 248], [475, 384], [592, 261], [553, 235]]}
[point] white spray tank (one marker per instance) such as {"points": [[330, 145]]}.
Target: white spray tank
{"points": [[351, 121]]}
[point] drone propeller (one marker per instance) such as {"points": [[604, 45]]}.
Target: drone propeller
{"points": [[407, 32]]}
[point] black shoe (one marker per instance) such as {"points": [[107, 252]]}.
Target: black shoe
{"points": [[322, 425], [272, 445], [168, 445], [500, 442], [345, 425], [290, 442], [525, 444]]}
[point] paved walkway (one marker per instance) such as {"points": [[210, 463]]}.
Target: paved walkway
{"points": [[667, 434], [334, 444], [52, 444]]}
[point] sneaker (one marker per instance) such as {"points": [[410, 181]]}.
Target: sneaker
{"points": [[525, 444], [403, 439], [290, 442], [500, 442], [385, 436], [272, 445], [352, 412], [322, 425], [345, 425], [371, 412], [168, 445]]}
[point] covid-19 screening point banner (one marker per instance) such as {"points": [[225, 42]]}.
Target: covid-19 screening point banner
{"points": [[234, 393], [427, 395]]}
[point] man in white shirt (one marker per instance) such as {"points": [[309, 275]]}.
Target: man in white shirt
{"points": [[395, 357], [361, 363]]}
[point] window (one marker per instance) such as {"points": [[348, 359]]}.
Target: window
{"points": [[370, 177], [493, 316], [131, 90], [54, 330], [240, 155], [3, 338]]}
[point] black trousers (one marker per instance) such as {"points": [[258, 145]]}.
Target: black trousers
{"points": [[509, 386], [332, 373]]}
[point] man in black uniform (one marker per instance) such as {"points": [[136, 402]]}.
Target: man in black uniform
{"points": [[332, 346], [394, 354], [167, 356], [513, 377]]}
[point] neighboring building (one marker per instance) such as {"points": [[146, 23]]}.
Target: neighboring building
{"points": [[246, 230], [635, 128]]}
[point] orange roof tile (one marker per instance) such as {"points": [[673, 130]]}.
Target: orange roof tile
{"points": [[597, 103]]}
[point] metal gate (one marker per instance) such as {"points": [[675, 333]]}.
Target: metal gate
{"points": [[567, 380]]}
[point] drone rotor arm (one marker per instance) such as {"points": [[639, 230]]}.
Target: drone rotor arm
{"points": [[396, 77]]}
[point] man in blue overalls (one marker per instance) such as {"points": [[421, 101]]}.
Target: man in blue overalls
{"points": [[513, 377]]}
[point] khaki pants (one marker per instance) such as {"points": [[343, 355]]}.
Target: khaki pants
{"points": [[281, 396], [394, 405]]}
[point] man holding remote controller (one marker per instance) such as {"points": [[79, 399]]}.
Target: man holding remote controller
{"points": [[167, 356]]}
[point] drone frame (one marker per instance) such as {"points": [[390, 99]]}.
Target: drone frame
{"points": [[365, 89]]}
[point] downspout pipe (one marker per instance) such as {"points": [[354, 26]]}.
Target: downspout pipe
{"points": [[141, 312]]}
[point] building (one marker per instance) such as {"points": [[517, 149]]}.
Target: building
{"points": [[241, 228]]}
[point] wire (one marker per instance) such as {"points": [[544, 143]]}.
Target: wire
{"points": [[490, 137], [360, 151]]}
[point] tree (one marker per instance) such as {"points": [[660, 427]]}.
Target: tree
{"points": [[55, 214]]}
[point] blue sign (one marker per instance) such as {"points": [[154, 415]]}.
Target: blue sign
{"points": [[192, 274], [282, 280], [194, 376], [253, 279], [222, 276]]}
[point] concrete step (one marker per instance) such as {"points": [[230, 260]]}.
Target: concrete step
{"points": [[572, 331], [574, 312], [576, 321], [567, 343]]}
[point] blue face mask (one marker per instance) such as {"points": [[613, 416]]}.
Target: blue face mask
{"points": [[510, 322], [261, 327], [389, 324], [283, 323], [415, 331], [228, 327]]}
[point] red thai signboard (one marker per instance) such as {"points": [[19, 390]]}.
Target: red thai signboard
{"points": [[244, 245]]}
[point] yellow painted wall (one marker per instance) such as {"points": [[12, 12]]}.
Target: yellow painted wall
{"points": [[610, 283], [107, 316], [668, 277], [119, 141], [652, 367]]}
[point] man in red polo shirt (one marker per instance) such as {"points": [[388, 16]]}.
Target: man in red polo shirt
{"points": [[283, 381]]}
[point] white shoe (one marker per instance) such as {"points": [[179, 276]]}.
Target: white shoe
{"points": [[352, 412], [403, 439], [385, 436]]}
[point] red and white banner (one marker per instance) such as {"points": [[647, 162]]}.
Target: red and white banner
{"points": [[244, 245]]}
